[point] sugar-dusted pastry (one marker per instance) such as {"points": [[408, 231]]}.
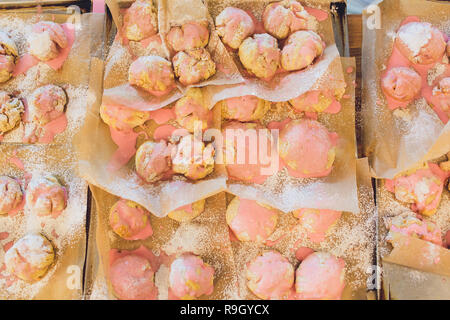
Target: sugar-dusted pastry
{"points": [[153, 160], [46, 40], [188, 212], [122, 118], [234, 25], [260, 55], [408, 224], [192, 109], [193, 158], [420, 42], [282, 18], [401, 83], [243, 163], [422, 188], [270, 276], [129, 220], [140, 20], [11, 195], [8, 56], [300, 50], [307, 148], [250, 220], [154, 74], [193, 66], [190, 277], [317, 222], [317, 101], [11, 110], [45, 196], [46, 104], [245, 108], [321, 276], [132, 278], [191, 35], [30, 257], [442, 92]]}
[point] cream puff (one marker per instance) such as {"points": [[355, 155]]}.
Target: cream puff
{"points": [[153, 160], [46, 40], [193, 158], [242, 143], [307, 149], [233, 25], [317, 222], [193, 66], [132, 278], [30, 257], [300, 50], [321, 276], [8, 56], [402, 84], [245, 108], [282, 18], [47, 103], [191, 35], [192, 109], [11, 195], [442, 93], [11, 111], [409, 225], [270, 276], [316, 101], [260, 55], [420, 42], [422, 188], [250, 220], [190, 277], [140, 20], [129, 220], [45, 196], [153, 74], [188, 212], [122, 118]]}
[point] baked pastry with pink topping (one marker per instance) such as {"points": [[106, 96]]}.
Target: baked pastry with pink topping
{"points": [[193, 158], [250, 220], [46, 104], [11, 195], [260, 55], [153, 160], [402, 84], [300, 50], [188, 212], [282, 18], [45, 196], [317, 222], [270, 276], [442, 92], [245, 108], [233, 25], [190, 277], [46, 40], [191, 35], [316, 101], [132, 278], [192, 109], [321, 276], [193, 66], [11, 110], [140, 20], [30, 257], [8, 56], [409, 225], [122, 118], [129, 220], [420, 42], [307, 148]]}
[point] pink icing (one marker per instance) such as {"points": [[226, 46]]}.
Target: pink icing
{"points": [[242, 108], [4, 235], [163, 132], [422, 229], [317, 222], [302, 253], [319, 14], [312, 98], [162, 116], [126, 142], [132, 217]]}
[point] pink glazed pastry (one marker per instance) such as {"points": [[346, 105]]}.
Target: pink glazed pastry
{"points": [[46, 40], [129, 220], [46, 104], [8, 56], [193, 66], [442, 92], [245, 108], [191, 35], [317, 222], [192, 109], [11, 112], [300, 50], [140, 20], [45, 196], [234, 25], [11, 195], [188, 212], [122, 118], [402, 84], [153, 160]]}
